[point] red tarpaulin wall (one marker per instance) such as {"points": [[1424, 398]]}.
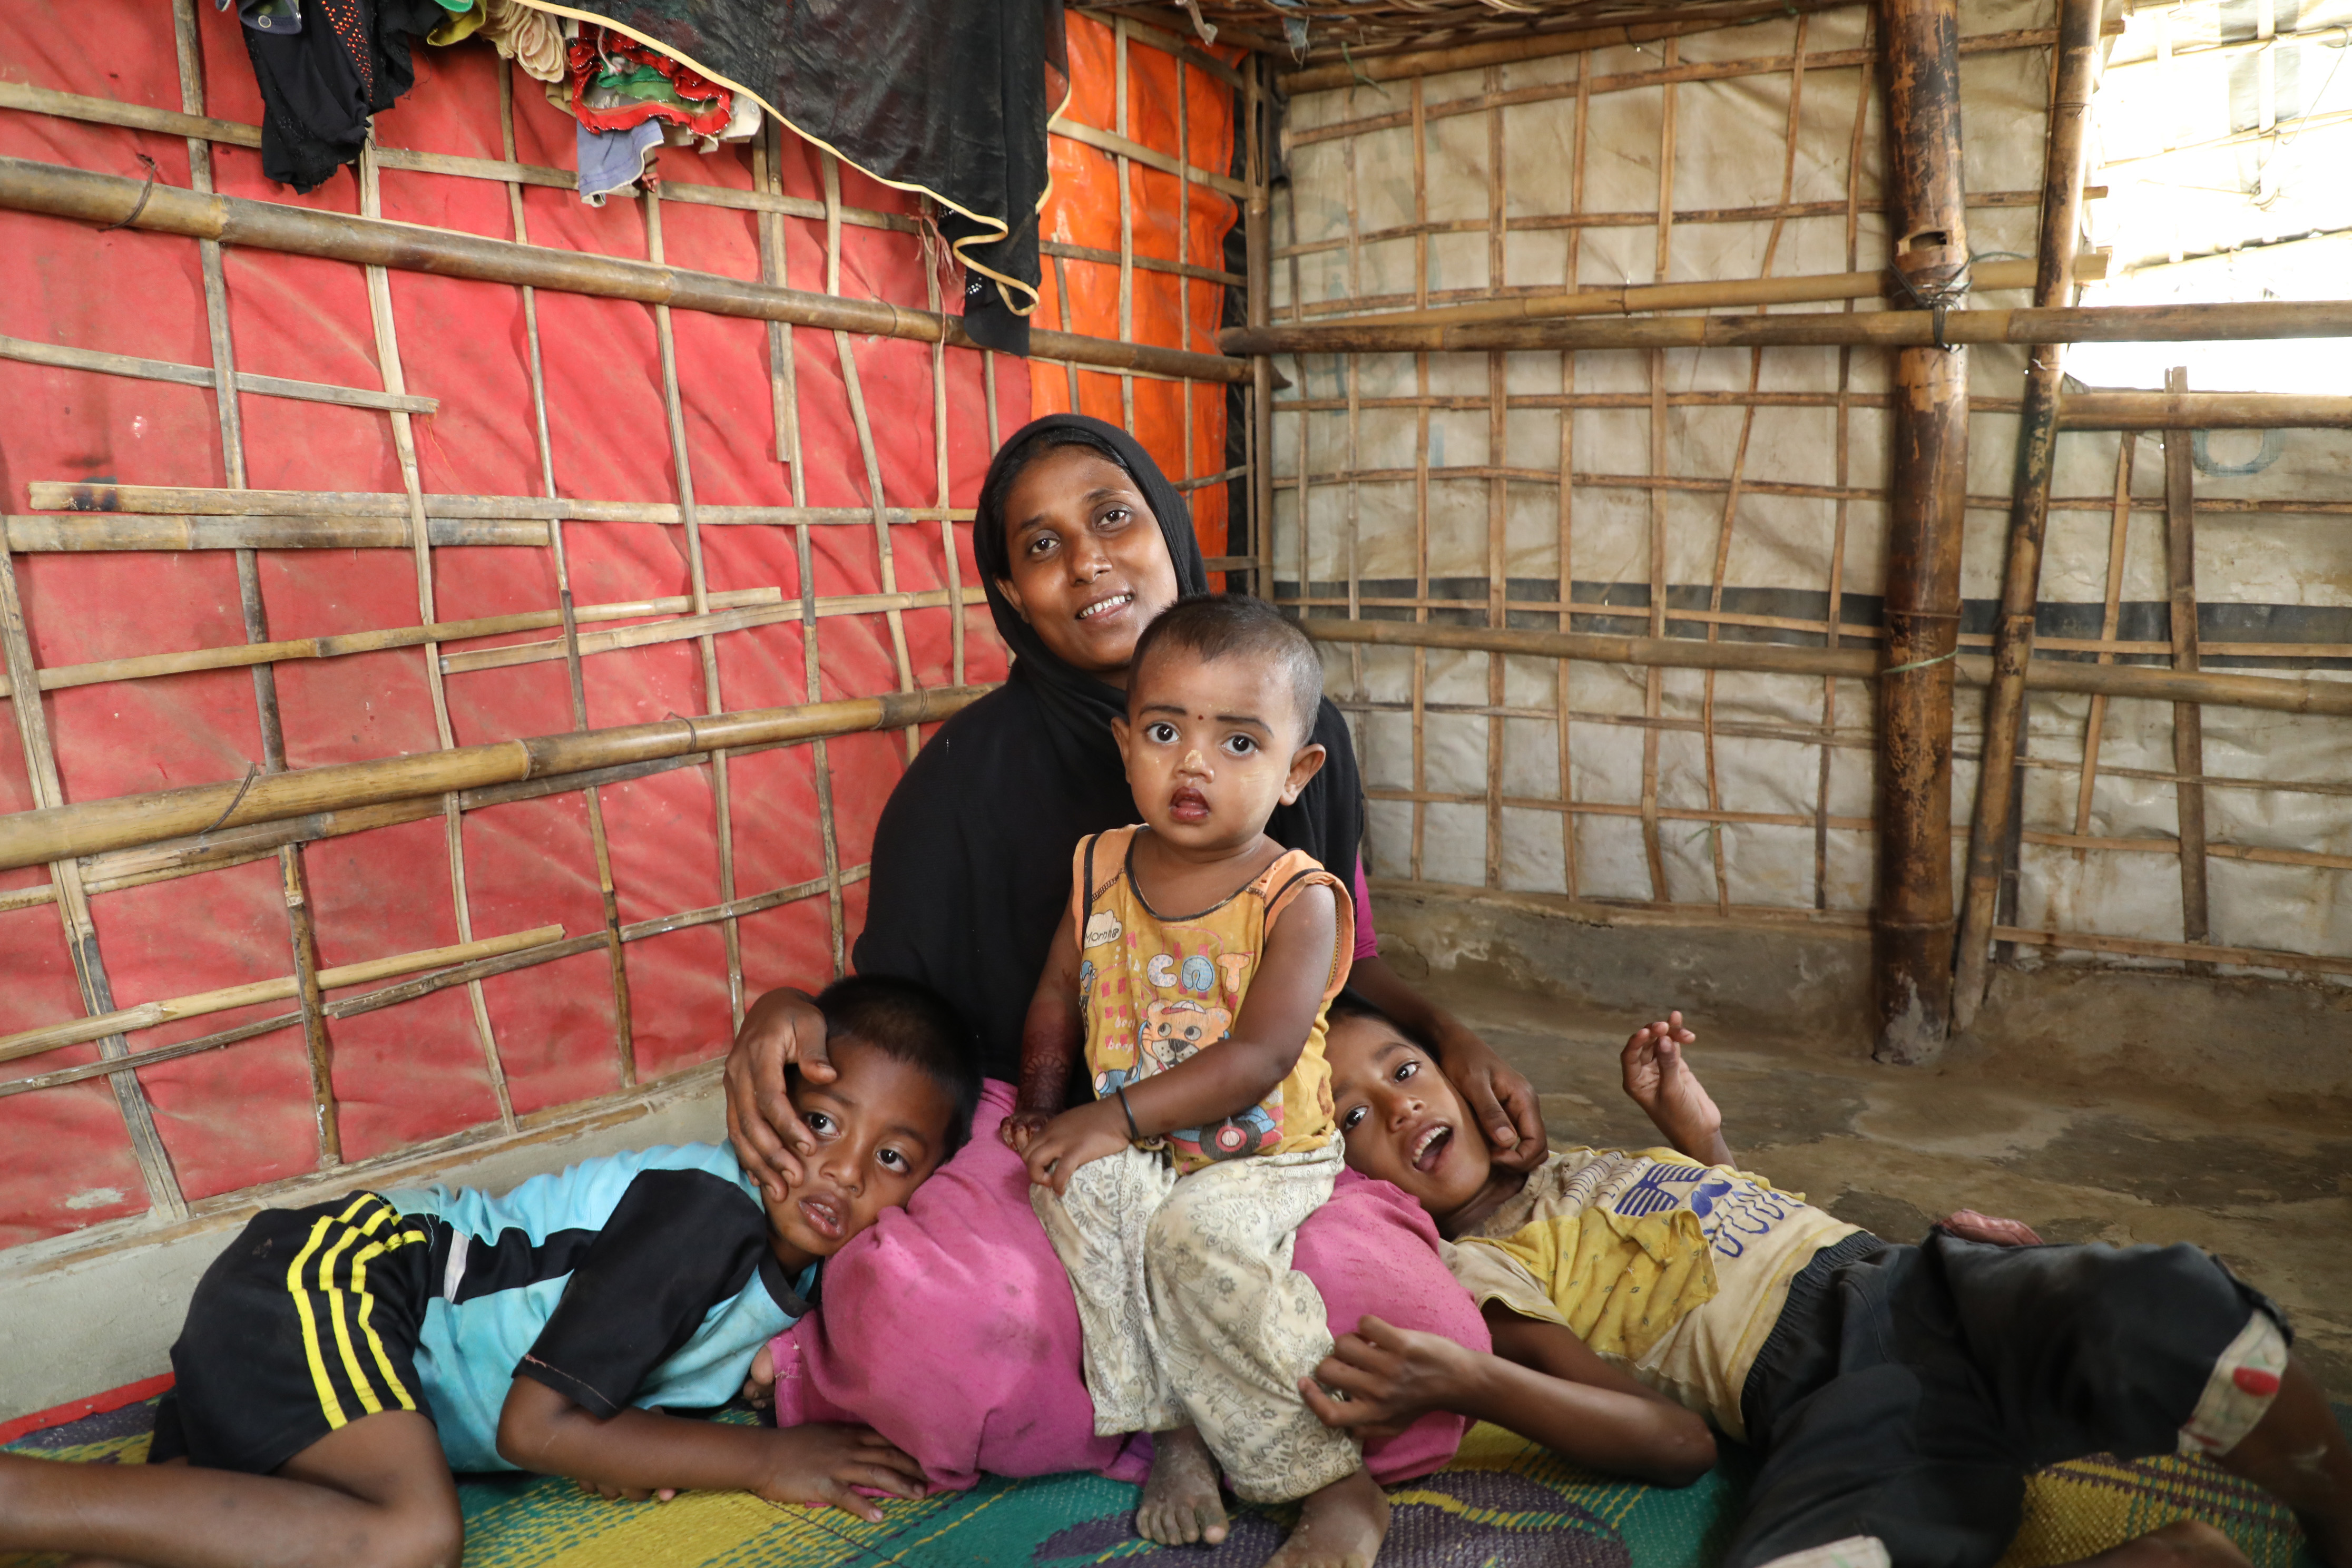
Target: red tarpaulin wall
{"points": [[230, 1117]]}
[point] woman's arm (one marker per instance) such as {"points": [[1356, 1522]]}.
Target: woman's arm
{"points": [[1051, 1039], [638, 1454], [1541, 1382], [1267, 1039], [1498, 1094]]}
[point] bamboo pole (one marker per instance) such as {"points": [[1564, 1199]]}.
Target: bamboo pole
{"points": [[1882, 329], [1911, 917], [147, 1015], [1997, 780], [2188, 719], [2271, 693], [1257, 220], [28, 185], [1373, 67], [1630, 298], [61, 357], [46, 533], [88, 827], [2203, 411], [85, 499]]}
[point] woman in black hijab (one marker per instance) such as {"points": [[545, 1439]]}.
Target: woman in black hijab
{"points": [[1080, 541]]}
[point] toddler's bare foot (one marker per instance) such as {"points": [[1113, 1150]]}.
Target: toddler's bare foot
{"points": [[1180, 1506], [2184, 1543], [1341, 1526]]}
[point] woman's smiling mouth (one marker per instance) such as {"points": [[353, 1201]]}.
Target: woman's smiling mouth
{"points": [[1105, 606]]}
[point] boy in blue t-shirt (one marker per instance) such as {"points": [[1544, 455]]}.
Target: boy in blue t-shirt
{"points": [[339, 1361]]}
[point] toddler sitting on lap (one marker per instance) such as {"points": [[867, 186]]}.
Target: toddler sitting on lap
{"points": [[1173, 1196]]}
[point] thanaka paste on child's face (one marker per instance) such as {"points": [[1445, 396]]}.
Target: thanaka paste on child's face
{"points": [[1212, 747], [880, 1127], [1402, 1120]]}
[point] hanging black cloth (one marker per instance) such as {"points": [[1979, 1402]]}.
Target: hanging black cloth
{"points": [[972, 857], [321, 77], [947, 97]]}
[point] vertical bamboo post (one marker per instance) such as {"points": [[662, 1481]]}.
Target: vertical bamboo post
{"points": [[1498, 414], [600, 843], [1257, 237], [1561, 688], [2187, 719], [412, 481], [1998, 777], [1421, 407], [294, 884], [1126, 217], [1911, 923]]}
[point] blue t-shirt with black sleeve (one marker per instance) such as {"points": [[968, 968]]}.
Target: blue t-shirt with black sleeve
{"points": [[644, 1277]]}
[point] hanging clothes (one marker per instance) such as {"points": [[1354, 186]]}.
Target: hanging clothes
{"points": [[947, 97], [618, 84], [323, 78], [532, 39], [612, 161]]}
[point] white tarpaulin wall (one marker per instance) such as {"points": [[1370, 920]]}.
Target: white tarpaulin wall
{"points": [[1737, 495]]}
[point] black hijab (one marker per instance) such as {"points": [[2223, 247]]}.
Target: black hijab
{"points": [[972, 857]]}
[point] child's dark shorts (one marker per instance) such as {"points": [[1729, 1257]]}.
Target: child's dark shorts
{"points": [[1905, 1392], [310, 1321]]}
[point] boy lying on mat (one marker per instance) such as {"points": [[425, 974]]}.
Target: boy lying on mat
{"points": [[339, 1361], [1899, 1394]]}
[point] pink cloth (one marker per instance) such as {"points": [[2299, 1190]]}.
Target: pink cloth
{"points": [[949, 1327], [1368, 940]]}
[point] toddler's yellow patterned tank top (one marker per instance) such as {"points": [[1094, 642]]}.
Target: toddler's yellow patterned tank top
{"points": [[1156, 988]]}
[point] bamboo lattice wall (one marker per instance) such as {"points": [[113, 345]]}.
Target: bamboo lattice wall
{"points": [[1737, 495], [917, 640]]}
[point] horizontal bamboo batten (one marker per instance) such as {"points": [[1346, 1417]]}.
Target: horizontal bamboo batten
{"points": [[61, 357], [46, 533], [1366, 68], [31, 837], [28, 185], [86, 499], [2274, 693], [2201, 411], [1633, 298], [147, 1015], [146, 666], [1822, 328]]}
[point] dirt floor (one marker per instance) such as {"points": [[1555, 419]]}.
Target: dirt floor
{"points": [[1892, 1149]]}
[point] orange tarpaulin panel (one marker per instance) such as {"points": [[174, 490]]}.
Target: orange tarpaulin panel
{"points": [[1170, 220]]}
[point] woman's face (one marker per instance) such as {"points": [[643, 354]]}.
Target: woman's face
{"points": [[1089, 567]]}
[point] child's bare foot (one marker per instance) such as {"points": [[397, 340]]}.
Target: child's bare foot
{"points": [[1180, 1506], [2184, 1543], [1341, 1526]]}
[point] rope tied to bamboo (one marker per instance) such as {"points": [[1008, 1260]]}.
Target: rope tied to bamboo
{"points": [[1936, 294], [153, 174], [1920, 663]]}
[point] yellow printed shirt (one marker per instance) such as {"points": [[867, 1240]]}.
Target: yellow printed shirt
{"points": [[1672, 1270], [1156, 988]]}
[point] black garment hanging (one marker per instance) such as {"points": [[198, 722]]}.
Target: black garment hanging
{"points": [[322, 79], [972, 857], [947, 97]]}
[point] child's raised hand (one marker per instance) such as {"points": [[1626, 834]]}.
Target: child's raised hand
{"points": [[1659, 1080], [823, 1464], [1077, 1137]]}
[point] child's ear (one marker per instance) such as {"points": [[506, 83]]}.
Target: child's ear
{"points": [[1121, 732], [1303, 767]]}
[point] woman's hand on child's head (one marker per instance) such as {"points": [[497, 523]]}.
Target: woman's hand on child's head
{"points": [[1077, 1137], [825, 1464], [1381, 1378], [784, 1029], [1021, 1129], [1499, 1096]]}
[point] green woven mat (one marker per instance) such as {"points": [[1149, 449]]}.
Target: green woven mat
{"points": [[1503, 1503]]}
